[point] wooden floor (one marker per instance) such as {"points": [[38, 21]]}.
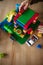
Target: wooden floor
{"points": [[19, 54]]}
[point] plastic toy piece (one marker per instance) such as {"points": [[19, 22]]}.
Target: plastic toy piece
{"points": [[25, 31], [3, 23], [39, 46], [9, 18], [20, 39], [13, 12], [22, 35], [7, 28], [34, 21], [18, 31], [16, 17], [15, 25], [12, 37], [10, 15], [21, 11], [19, 23], [39, 35], [15, 22], [35, 26], [30, 21], [17, 7], [30, 31], [2, 55]]}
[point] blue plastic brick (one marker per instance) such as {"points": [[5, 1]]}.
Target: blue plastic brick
{"points": [[17, 7], [3, 23], [38, 46], [19, 24]]}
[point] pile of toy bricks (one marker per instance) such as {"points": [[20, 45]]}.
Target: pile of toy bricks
{"points": [[20, 24]]}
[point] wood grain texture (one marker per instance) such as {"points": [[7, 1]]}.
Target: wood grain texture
{"points": [[19, 54]]}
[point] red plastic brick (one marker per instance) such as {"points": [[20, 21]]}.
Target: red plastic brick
{"points": [[21, 11], [29, 31], [31, 20], [16, 17]]}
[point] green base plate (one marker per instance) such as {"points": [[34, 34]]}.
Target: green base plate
{"points": [[17, 37]]}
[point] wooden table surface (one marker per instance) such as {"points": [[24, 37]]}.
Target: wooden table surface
{"points": [[19, 54]]}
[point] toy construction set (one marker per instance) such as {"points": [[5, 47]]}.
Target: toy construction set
{"points": [[21, 24]]}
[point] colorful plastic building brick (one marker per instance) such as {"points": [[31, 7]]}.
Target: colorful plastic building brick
{"points": [[39, 46], [17, 7], [2, 55], [39, 35]]}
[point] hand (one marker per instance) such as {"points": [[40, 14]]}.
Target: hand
{"points": [[40, 29], [24, 5]]}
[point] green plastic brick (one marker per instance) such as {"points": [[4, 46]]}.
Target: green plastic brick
{"points": [[34, 26], [21, 40], [26, 16], [1, 55], [7, 28]]}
